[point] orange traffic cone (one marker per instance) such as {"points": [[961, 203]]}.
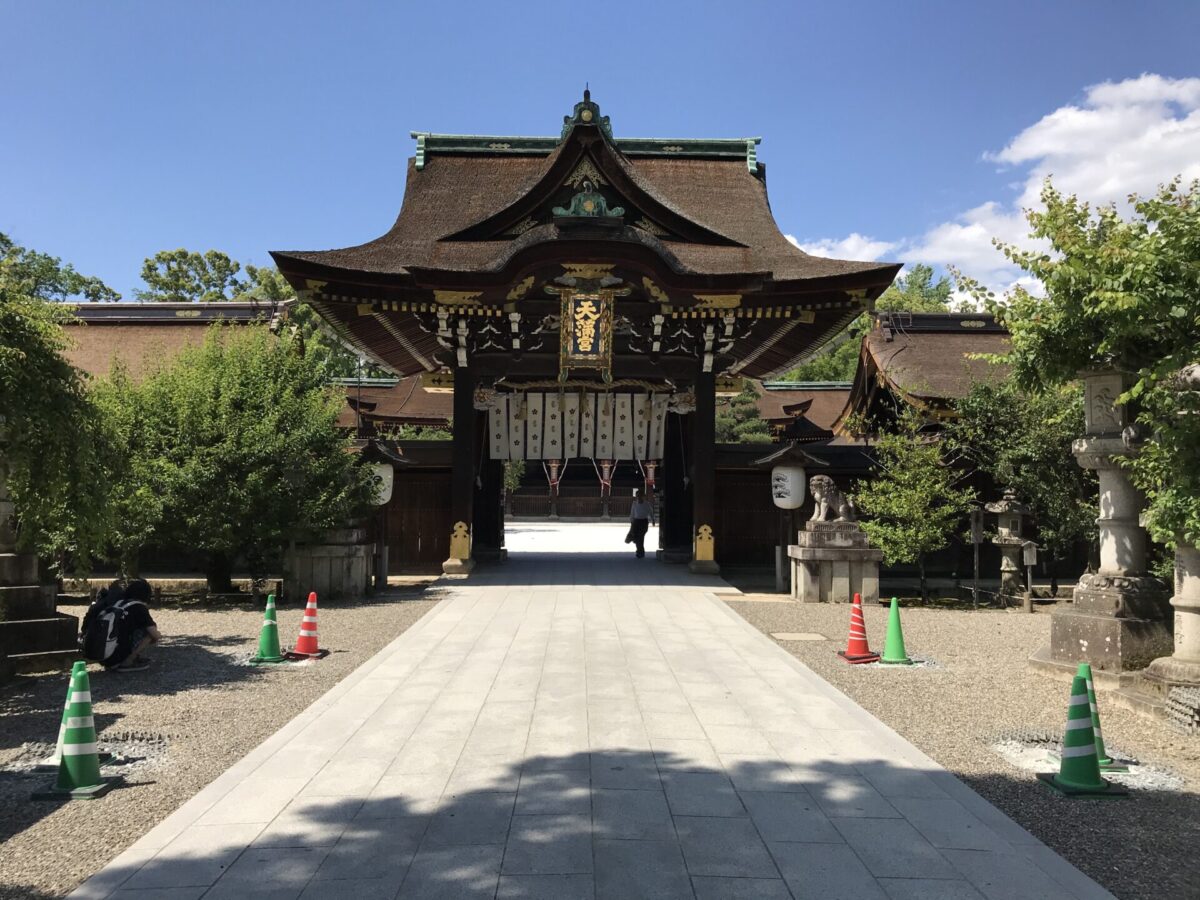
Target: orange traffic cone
{"points": [[306, 644], [857, 649]]}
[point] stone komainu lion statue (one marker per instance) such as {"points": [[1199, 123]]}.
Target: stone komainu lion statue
{"points": [[832, 504]]}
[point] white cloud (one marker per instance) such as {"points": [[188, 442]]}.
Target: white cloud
{"points": [[855, 246], [1123, 137]]}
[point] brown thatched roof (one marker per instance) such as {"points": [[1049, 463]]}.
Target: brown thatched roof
{"points": [[926, 360], [452, 193]]}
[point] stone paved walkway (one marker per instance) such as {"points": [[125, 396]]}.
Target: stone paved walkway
{"points": [[586, 727]]}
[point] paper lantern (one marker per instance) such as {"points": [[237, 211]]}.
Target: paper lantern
{"points": [[383, 475], [787, 486]]}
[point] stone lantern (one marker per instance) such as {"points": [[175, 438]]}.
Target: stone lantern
{"points": [[1010, 515], [1119, 618]]}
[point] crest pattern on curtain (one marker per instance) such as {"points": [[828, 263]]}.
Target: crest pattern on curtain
{"points": [[571, 425]]}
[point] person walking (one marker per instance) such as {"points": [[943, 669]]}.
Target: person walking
{"points": [[641, 517]]}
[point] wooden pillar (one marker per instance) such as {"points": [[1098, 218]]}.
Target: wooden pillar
{"points": [[488, 533], [704, 424], [675, 520], [462, 478]]}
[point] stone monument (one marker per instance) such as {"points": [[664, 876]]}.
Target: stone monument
{"points": [[1119, 620], [34, 636], [1010, 513], [832, 559]]}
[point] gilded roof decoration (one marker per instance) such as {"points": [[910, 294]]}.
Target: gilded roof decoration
{"points": [[655, 292], [719, 301], [520, 289], [646, 225], [523, 226], [584, 172], [588, 203], [458, 298]]}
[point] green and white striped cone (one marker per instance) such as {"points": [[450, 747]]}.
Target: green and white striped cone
{"points": [[1107, 763], [54, 760], [1079, 770], [268, 638], [79, 766]]}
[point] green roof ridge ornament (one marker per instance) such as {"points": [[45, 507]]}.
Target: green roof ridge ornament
{"points": [[588, 204], [586, 113]]}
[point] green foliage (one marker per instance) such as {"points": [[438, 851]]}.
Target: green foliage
{"points": [[738, 420], [47, 277], [912, 503], [1167, 467], [1121, 295], [234, 451], [915, 291], [514, 471], [184, 276], [1022, 440], [52, 438]]}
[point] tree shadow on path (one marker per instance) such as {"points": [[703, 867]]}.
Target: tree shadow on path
{"points": [[625, 824]]}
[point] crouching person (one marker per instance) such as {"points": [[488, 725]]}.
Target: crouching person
{"points": [[118, 627]]}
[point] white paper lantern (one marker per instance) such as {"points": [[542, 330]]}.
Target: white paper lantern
{"points": [[383, 475], [787, 486]]}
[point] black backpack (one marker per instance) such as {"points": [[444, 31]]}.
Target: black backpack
{"points": [[105, 633]]}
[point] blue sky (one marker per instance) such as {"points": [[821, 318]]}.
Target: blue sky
{"points": [[904, 130]]}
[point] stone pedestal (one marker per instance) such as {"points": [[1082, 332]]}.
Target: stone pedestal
{"points": [[1120, 618], [34, 636], [1181, 668], [1010, 566], [833, 561]]}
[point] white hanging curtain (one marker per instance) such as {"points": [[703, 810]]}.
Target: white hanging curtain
{"points": [[553, 425]]}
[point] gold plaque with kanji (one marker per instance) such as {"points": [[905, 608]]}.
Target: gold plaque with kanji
{"points": [[587, 320]]}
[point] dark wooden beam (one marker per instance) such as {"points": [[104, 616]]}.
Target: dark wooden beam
{"points": [[462, 481], [704, 435]]}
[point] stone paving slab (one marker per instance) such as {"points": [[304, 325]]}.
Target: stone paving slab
{"points": [[595, 727]]}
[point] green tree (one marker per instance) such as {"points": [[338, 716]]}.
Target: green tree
{"points": [[237, 440], [47, 277], [1022, 439], [738, 420], [915, 291], [52, 440], [184, 276], [912, 503], [1120, 294]]}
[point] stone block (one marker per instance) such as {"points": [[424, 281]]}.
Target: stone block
{"points": [[1109, 644], [25, 601], [1123, 596], [18, 568]]}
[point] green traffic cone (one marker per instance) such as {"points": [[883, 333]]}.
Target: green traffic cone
{"points": [[54, 760], [1079, 770], [893, 646], [1107, 763], [79, 769], [268, 638]]}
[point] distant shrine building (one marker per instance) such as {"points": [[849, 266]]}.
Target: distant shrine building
{"points": [[584, 297]]}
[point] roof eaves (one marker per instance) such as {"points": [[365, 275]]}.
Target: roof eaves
{"points": [[531, 145]]}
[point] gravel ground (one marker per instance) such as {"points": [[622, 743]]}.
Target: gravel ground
{"points": [[979, 690], [193, 714]]}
